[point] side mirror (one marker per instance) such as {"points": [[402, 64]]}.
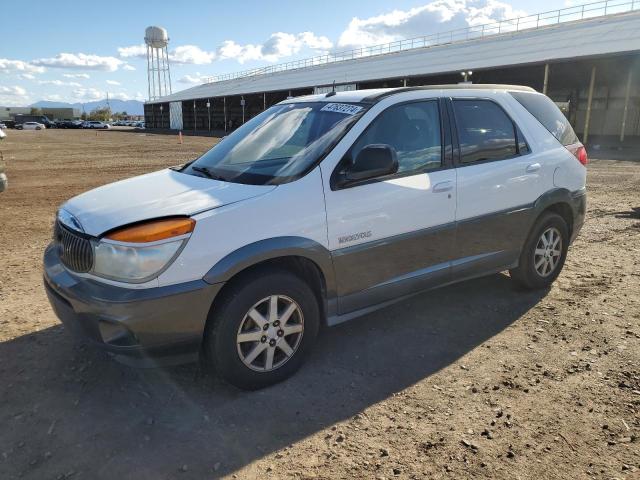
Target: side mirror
{"points": [[373, 161]]}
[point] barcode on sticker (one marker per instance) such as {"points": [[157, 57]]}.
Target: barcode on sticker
{"points": [[345, 108]]}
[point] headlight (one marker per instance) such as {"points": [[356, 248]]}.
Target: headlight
{"points": [[141, 252]]}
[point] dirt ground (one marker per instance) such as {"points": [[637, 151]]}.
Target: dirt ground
{"points": [[476, 380]]}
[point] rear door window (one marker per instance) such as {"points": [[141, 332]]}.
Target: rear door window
{"points": [[485, 132], [548, 114]]}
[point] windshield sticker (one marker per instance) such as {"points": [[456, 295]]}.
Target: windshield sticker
{"points": [[345, 108]]}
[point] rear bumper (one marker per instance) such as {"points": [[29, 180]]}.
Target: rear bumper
{"points": [[579, 207], [145, 327]]}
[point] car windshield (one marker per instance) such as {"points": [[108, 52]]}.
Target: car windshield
{"points": [[279, 145]]}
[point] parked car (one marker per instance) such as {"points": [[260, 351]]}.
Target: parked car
{"points": [[3, 176], [319, 210], [41, 119], [96, 124], [139, 124], [73, 124], [30, 126]]}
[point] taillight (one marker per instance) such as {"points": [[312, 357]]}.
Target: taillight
{"points": [[578, 151]]}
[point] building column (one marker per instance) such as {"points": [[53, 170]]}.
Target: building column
{"points": [[626, 106], [264, 100], [404, 82], [224, 108], [587, 119], [546, 78]]}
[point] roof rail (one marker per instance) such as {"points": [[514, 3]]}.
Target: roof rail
{"points": [[454, 86]]}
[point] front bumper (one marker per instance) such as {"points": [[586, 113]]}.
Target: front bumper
{"points": [[151, 326]]}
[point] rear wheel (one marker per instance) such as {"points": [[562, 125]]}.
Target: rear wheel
{"points": [[544, 253], [262, 330]]}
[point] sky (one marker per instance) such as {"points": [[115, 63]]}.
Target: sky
{"points": [[78, 51]]}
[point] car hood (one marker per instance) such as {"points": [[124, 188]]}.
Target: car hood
{"points": [[154, 195]]}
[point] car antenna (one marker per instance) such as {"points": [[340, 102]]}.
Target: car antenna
{"points": [[333, 91]]}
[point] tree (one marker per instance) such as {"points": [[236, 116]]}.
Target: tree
{"points": [[36, 111], [103, 114]]}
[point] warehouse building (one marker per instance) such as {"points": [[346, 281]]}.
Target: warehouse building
{"points": [[52, 113], [586, 58]]}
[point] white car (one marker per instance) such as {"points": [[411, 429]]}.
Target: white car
{"points": [[96, 124], [30, 126], [321, 209]]}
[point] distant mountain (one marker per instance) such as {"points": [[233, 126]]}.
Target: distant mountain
{"points": [[132, 107]]}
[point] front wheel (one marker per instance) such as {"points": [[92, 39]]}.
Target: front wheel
{"points": [[262, 330], [544, 253]]}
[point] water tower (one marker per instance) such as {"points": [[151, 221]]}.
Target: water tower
{"points": [[158, 72]]}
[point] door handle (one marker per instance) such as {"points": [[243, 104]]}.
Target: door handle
{"points": [[443, 187], [534, 167]]}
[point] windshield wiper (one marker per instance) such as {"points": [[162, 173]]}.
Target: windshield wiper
{"points": [[208, 173]]}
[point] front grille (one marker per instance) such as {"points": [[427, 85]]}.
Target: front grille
{"points": [[75, 250]]}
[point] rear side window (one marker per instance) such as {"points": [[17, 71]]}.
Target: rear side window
{"points": [[485, 132], [548, 114]]}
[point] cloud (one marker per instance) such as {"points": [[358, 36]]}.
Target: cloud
{"points": [[13, 96], [80, 61], [113, 82], [84, 95], [196, 79], [127, 96], [13, 91], [184, 54], [88, 94], [76, 75], [126, 66], [27, 76], [277, 46], [9, 66], [137, 51], [191, 54], [437, 16], [53, 98], [59, 83]]}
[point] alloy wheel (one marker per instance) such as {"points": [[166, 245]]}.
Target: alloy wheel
{"points": [[548, 251], [270, 333]]}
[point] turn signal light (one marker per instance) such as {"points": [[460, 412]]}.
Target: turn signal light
{"points": [[153, 230]]}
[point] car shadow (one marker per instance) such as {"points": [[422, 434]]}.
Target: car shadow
{"points": [[66, 407]]}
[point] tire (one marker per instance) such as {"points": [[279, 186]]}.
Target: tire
{"points": [[235, 362], [539, 266]]}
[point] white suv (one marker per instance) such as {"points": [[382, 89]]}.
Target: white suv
{"points": [[318, 210]]}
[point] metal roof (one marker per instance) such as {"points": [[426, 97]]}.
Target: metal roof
{"points": [[611, 34]]}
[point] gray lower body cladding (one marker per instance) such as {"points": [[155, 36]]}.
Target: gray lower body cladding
{"points": [[166, 324], [379, 272], [149, 326]]}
